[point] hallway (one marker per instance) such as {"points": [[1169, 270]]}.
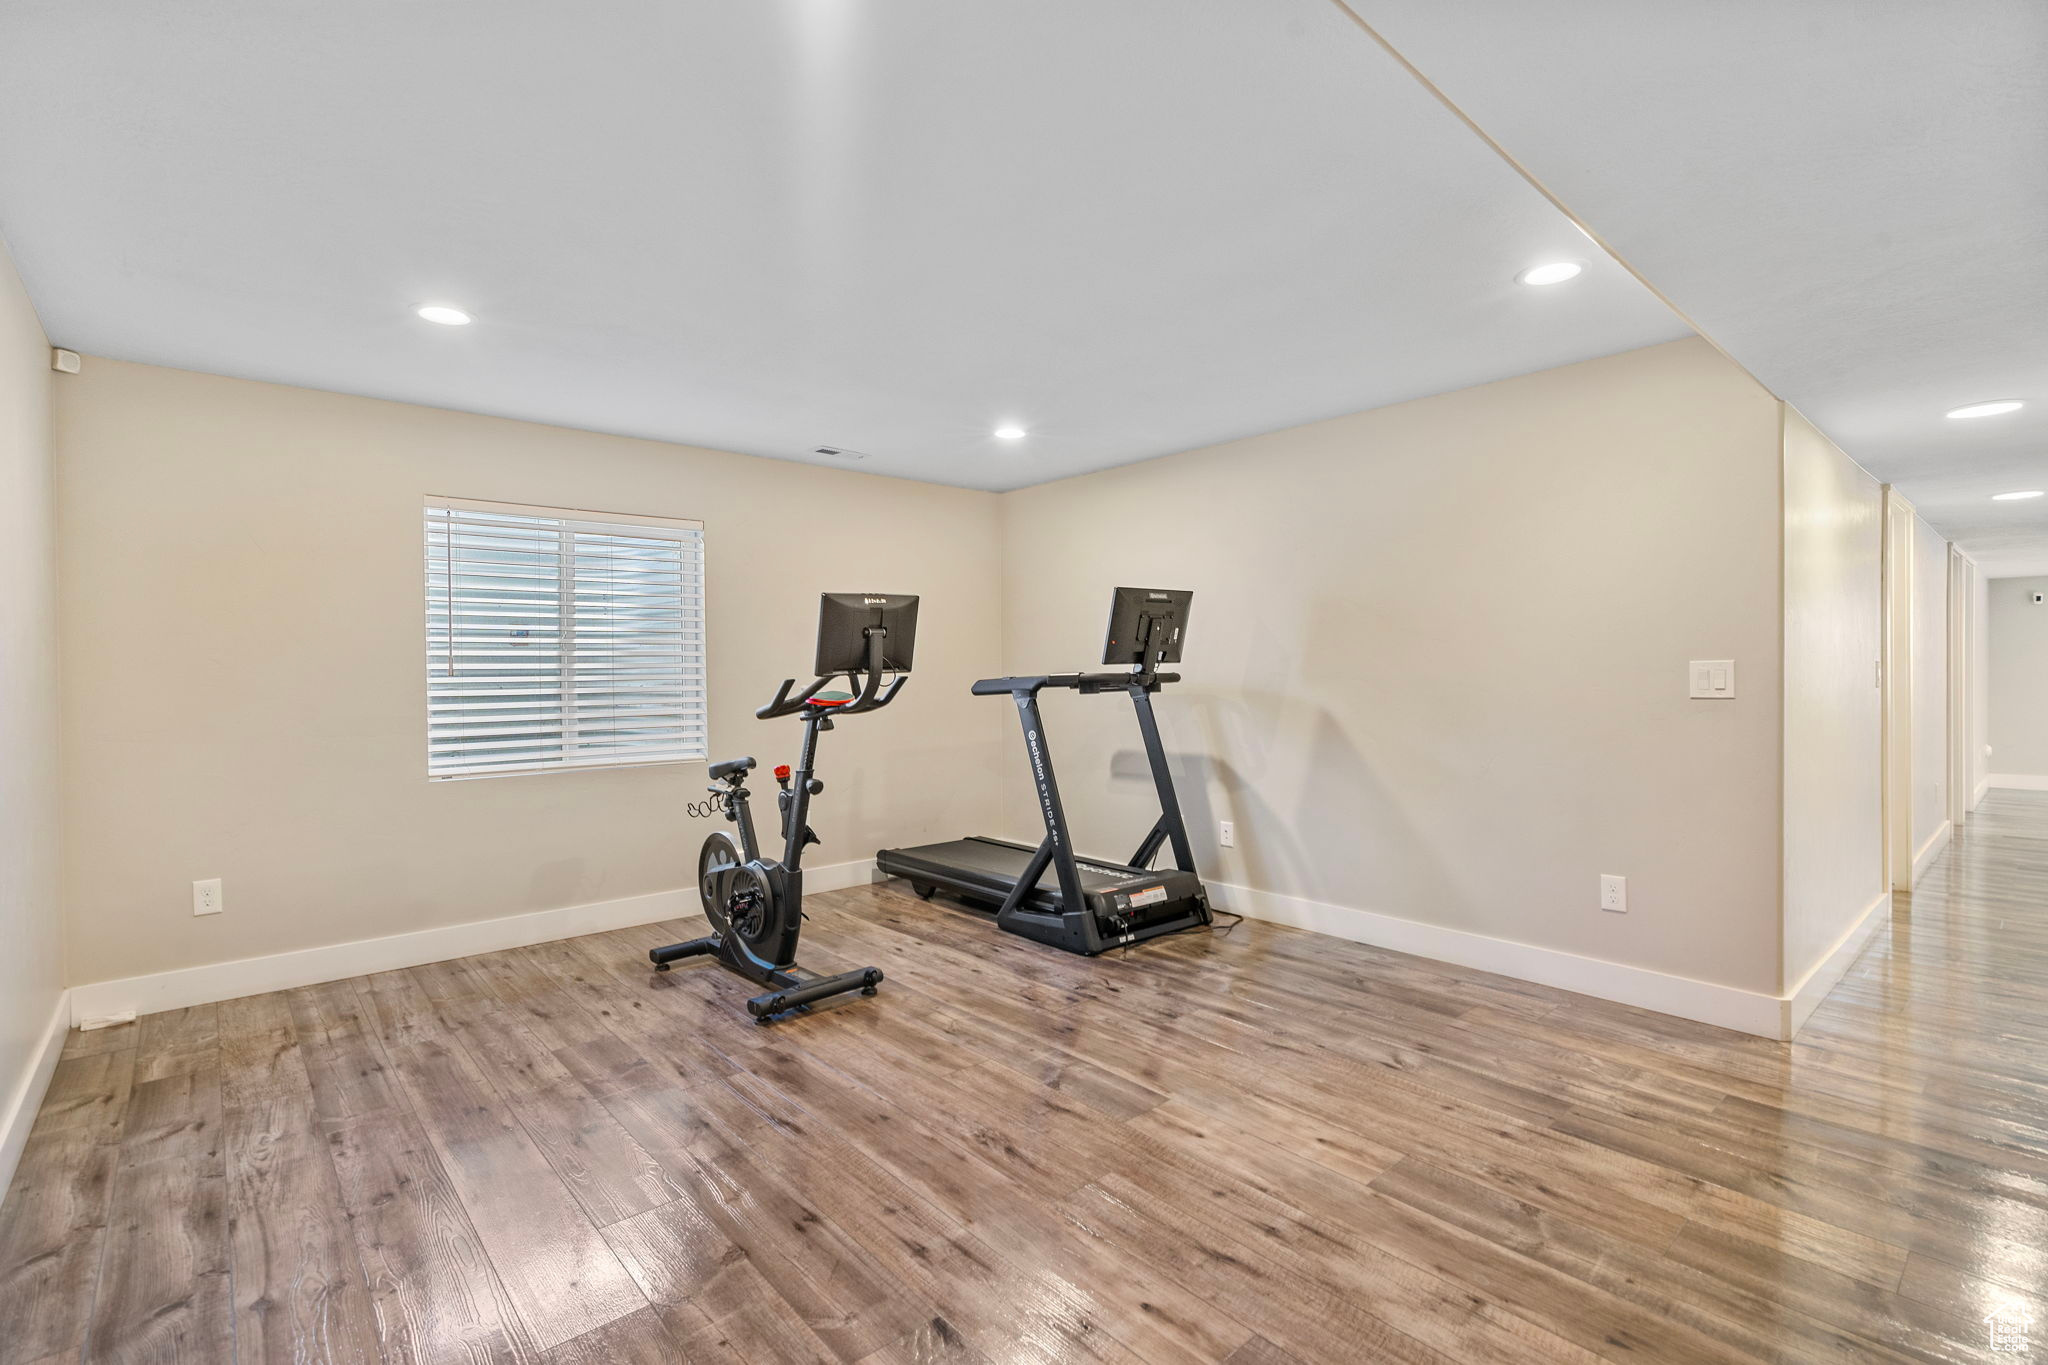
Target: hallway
{"points": [[1928, 1068]]}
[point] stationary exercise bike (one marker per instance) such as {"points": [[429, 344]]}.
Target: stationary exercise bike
{"points": [[755, 904]]}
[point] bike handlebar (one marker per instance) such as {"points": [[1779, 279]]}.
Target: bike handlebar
{"points": [[870, 695]]}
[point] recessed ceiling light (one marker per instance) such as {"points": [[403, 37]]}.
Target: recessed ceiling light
{"points": [[443, 314], [2018, 497], [1556, 272], [1010, 432], [1991, 409]]}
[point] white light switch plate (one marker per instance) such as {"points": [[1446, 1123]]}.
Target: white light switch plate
{"points": [[1713, 679]]}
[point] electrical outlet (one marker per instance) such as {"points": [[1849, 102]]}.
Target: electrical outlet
{"points": [[206, 897], [1226, 833], [1614, 894]]}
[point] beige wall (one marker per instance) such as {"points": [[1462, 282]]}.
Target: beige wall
{"points": [[1834, 717], [1437, 666], [1965, 626], [1437, 662], [2017, 638], [1980, 686], [31, 962], [244, 678], [1930, 684]]}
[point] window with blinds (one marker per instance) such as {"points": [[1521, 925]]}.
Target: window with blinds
{"points": [[561, 639]]}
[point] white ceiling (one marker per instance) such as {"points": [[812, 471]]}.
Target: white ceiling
{"points": [[1850, 196], [765, 225]]}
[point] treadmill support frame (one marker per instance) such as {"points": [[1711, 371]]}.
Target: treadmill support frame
{"points": [[1056, 848], [1170, 827], [1074, 928]]}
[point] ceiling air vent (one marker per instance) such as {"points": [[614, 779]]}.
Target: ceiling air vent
{"points": [[840, 453]]}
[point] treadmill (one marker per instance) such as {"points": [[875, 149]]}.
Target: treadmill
{"points": [[1049, 893]]}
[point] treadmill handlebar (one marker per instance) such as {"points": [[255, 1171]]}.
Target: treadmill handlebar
{"points": [[1084, 682]]}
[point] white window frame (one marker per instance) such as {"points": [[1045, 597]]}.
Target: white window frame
{"points": [[688, 702]]}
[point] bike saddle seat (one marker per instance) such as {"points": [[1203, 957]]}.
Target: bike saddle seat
{"points": [[721, 771]]}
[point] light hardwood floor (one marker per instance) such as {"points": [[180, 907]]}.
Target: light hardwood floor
{"points": [[1256, 1148]]}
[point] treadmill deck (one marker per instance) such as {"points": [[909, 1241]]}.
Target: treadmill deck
{"points": [[1122, 898]]}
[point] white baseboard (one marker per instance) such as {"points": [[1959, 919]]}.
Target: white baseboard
{"points": [[1827, 973], [1707, 1002], [2025, 782], [22, 1106], [338, 961], [1931, 850], [839, 876], [1977, 796]]}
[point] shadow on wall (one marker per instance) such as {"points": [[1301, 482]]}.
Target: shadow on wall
{"points": [[1339, 835]]}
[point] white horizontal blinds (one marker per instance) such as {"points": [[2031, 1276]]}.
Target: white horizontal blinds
{"points": [[561, 639]]}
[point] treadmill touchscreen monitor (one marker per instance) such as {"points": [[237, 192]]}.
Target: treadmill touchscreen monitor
{"points": [[843, 621], [1139, 615]]}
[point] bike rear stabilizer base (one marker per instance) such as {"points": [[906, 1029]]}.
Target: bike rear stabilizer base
{"points": [[791, 990]]}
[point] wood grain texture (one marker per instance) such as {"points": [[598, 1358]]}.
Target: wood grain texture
{"points": [[1261, 1148], [639, 1338], [548, 1254], [177, 1041], [300, 1292], [436, 1295], [164, 1290], [53, 1225]]}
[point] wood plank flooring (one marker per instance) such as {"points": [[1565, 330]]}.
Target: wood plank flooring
{"points": [[1260, 1148]]}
